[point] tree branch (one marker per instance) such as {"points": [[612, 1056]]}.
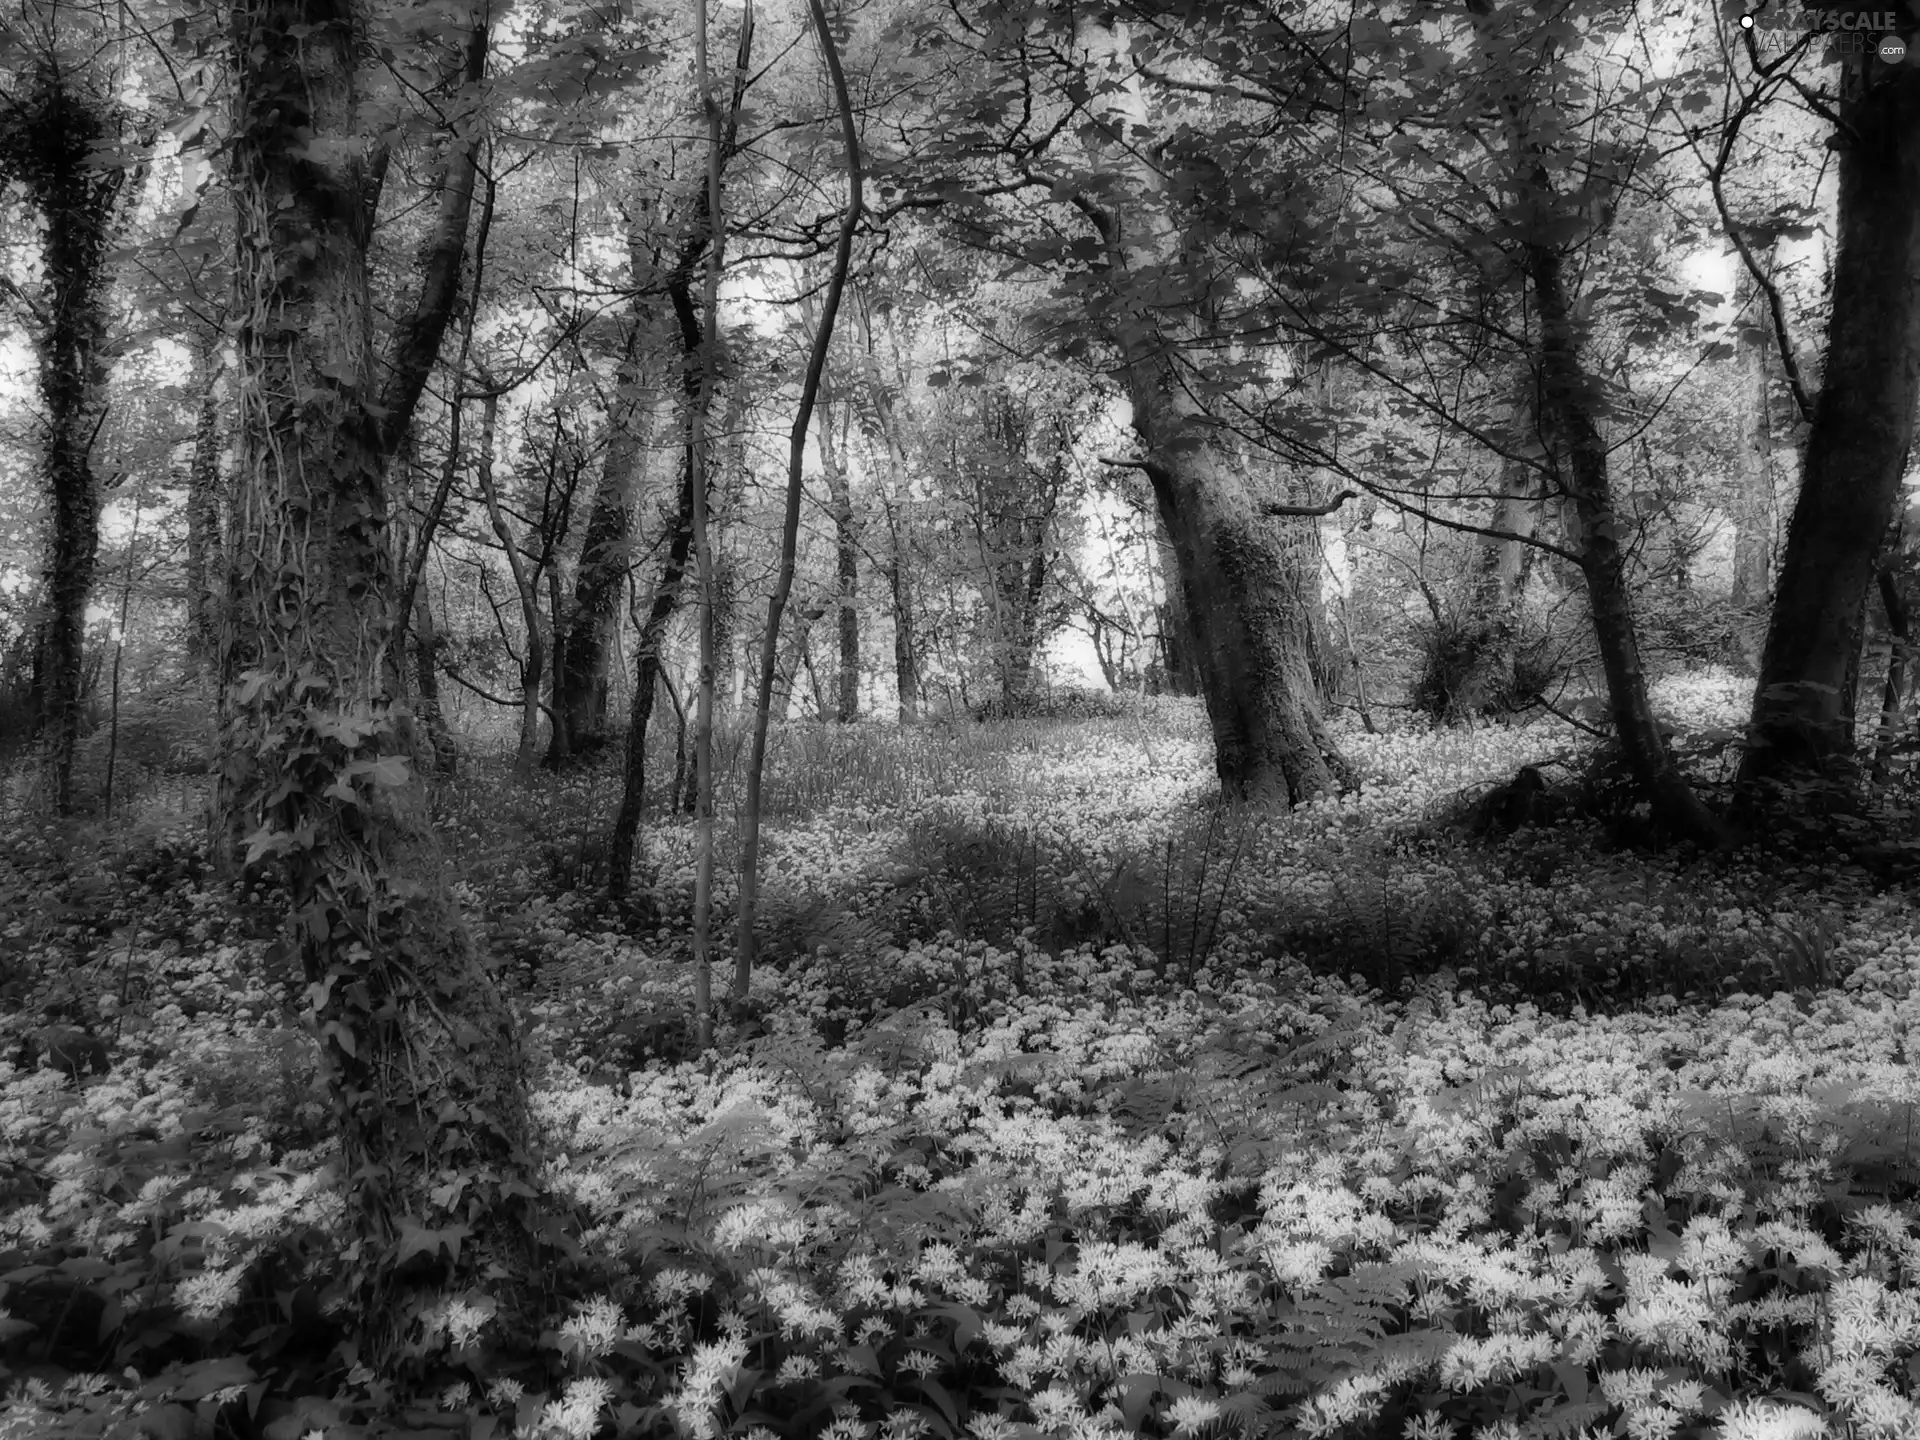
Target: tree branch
{"points": [[419, 335], [1275, 508]]}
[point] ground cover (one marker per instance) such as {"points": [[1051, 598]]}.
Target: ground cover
{"points": [[1066, 1104]]}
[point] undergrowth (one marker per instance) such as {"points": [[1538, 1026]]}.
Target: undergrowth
{"points": [[1068, 1102]]}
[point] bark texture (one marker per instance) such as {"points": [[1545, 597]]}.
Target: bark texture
{"points": [[585, 650], [1240, 582], [205, 553], [1857, 448], [419, 1049]]}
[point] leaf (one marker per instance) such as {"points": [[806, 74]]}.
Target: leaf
{"points": [[169, 1422], [197, 1382], [391, 771], [417, 1239]]}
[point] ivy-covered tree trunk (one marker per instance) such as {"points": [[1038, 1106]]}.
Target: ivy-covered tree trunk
{"points": [[205, 553], [418, 1047], [51, 143], [1862, 427]]}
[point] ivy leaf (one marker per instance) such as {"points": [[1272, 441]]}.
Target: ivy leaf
{"points": [[267, 841], [418, 1239], [391, 771]]}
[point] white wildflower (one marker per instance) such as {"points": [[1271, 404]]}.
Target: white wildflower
{"points": [[1192, 1413], [594, 1328]]}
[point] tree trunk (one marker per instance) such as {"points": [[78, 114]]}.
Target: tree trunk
{"points": [[653, 634], [1177, 644], [846, 550], [205, 553], [533, 662], [51, 143], [426, 705], [1269, 740], [419, 1049], [1753, 487], [906, 651], [1565, 388], [583, 651], [1862, 427], [1899, 660]]}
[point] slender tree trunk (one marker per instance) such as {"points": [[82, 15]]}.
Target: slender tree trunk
{"points": [[1753, 487], [1862, 428], [846, 551], [1564, 390], [653, 634], [790, 520], [697, 392], [895, 495], [51, 142], [205, 551], [906, 651], [426, 703], [533, 664], [1899, 661], [418, 1047]]}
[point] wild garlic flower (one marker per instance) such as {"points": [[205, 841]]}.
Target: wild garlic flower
{"points": [[576, 1414], [1350, 1401], [211, 1293], [673, 1285], [1766, 1420], [1430, 1425], [1190, 1414], [795, 1368], [504, 1394], [709, 1373], [1471, 1364], [1055, 1408], [1652, 1421], [594, 1328], [460, 1320]]}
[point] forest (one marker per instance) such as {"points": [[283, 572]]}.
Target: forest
{"points": [[915, 719]]}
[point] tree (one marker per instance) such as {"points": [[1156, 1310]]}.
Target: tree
{"points": [[1753, 484], [1126, 180], [1862, 430], [57, 140], [419, 1049]]}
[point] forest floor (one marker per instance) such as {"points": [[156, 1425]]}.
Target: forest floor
{"points": [[1064, 1103]]}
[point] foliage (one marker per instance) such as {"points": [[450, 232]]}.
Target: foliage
{"points": [[936, 1185]]}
